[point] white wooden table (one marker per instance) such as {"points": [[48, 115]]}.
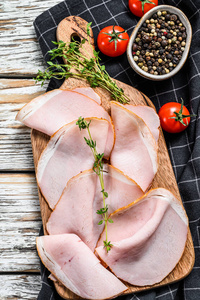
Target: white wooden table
{"points": [[20, 220]]}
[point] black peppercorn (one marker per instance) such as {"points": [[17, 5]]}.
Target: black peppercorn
{"points": [[149, 63], [169, 56], [184, 35], [147, 38], [175, 60], [164, 43], [169, 35], [135, 47], [161, 51], [173, 18], [159, 69], [167, 17]]}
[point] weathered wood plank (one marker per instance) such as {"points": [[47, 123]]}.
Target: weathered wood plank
{"points": [[20, 287], [19, 50], [20, 222], [15, 145]]}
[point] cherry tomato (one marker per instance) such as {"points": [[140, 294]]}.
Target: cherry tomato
{"points": [[140, 7], [174, 117], [112, 40]]}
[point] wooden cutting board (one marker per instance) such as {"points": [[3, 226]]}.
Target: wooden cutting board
{"points": [[75, 26]]}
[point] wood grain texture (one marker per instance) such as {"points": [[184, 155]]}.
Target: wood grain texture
{"points": [[164, 178], [15, 143], [20, 287], [20, 53], [20, 222]]}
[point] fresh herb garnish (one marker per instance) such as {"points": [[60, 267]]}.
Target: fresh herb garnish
{"points": [[83, 67], [98, 169]]}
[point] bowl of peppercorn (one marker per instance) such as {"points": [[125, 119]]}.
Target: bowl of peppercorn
{"points": [[160, 43]]}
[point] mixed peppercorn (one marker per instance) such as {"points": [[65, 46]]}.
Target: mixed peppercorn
{"points": [[160, 43]]}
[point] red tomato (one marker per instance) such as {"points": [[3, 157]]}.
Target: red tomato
{"points": [[174, 117], [112, 40], [140, 7]]}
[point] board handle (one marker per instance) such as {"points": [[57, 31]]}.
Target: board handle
{"points": [[74, 27]]}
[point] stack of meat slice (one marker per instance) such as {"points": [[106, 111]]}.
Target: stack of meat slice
{"points": [[82, 197], [148, 238], [148, 231]]}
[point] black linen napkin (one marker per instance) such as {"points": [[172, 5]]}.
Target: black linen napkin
{"points": [[184, 148]]}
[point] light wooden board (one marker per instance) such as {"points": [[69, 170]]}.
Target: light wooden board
{"points": [[20, 287], [19, 49], [164, 177], [20, 222], [15, 143]]}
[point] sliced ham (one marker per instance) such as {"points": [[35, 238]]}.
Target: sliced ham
{"points": [[67, 154], [148, 238], [77, 268], [76, 210], [149, 115], [89, 92], [52, 110], [135, 151]]}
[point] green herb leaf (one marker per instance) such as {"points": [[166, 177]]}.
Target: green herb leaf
{"points": [[107, 245], [88, 28], [102, 210], [100, 222], [110, 220], [105, 193]]}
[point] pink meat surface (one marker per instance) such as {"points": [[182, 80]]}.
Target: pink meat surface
{"points": [[149, 115], [52, 110], [148, 238], [67, 154], [135, 151], [77, 268], [89, 92], [76, 210]]}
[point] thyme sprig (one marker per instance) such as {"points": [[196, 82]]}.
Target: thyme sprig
{"points": [[98, 169], [78, 65]]}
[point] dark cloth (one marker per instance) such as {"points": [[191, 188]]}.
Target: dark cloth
{"points": [[184, 148]]}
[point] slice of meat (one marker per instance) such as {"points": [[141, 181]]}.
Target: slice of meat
{"points": [[77, 268], [148, 238], [149, 115], [67, 154], [76, 210], [52, 110], [89, 92], [135, 151]]}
